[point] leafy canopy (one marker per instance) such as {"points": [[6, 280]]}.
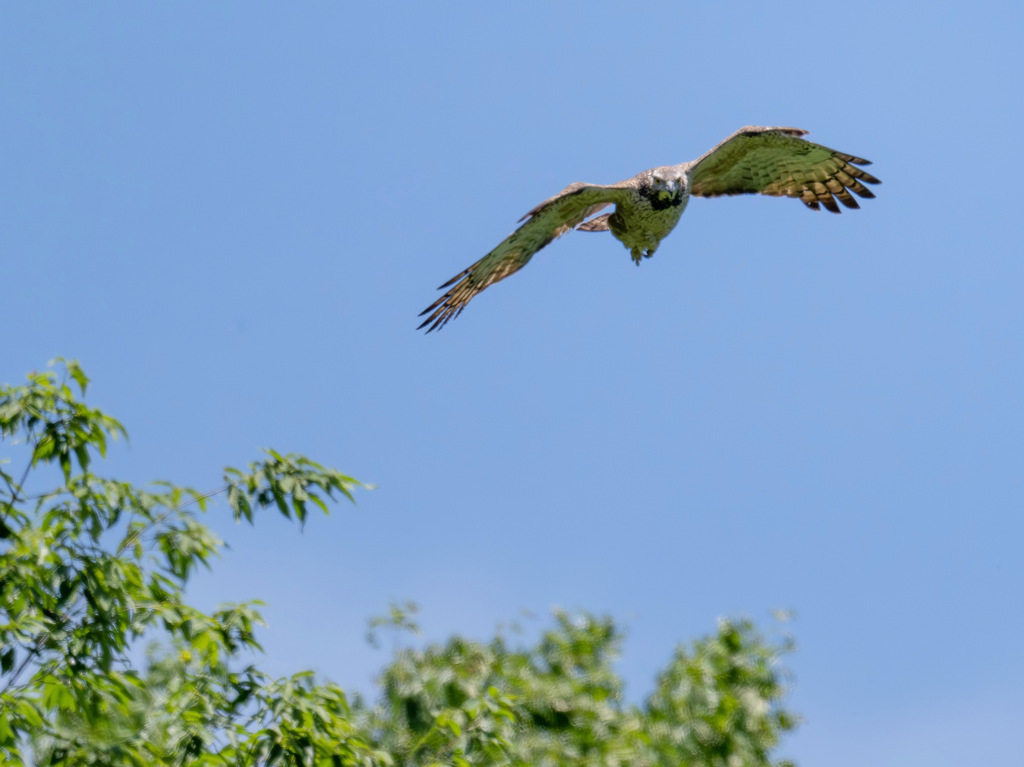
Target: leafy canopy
{"points": [[91, 567]]}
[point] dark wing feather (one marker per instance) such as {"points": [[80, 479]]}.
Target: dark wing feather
{"points": [[552, 218], [778, 162]]}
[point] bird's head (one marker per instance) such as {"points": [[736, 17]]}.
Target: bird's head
{"points": [[667, 182]]}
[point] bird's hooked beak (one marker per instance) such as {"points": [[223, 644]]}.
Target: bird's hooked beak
{"points": [[668, 187]]}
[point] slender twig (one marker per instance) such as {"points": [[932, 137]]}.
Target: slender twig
{"points": [[132, 539], [21, 667], [15, 490]]}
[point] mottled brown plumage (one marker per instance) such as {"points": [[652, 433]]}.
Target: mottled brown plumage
{"points": [[753, 160]]}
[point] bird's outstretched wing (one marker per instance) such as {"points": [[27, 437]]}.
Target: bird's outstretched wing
{"points": [[777, 161], [552, 218]]}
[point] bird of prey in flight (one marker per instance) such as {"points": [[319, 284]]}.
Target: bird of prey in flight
{"points": [[753, 160]]}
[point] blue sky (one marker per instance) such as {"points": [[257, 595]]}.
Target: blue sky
{"points": [[231, 214]]}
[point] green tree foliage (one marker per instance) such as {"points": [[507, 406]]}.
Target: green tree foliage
{"points": [[90, 568], [560, 702]]}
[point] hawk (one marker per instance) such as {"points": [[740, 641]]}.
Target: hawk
{"points": [[753, 160]]}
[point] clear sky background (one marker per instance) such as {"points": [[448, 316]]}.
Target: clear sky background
{"points": [[232, 213]]}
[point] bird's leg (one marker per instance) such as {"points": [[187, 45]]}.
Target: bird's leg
{"points": [[639, 253]]}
